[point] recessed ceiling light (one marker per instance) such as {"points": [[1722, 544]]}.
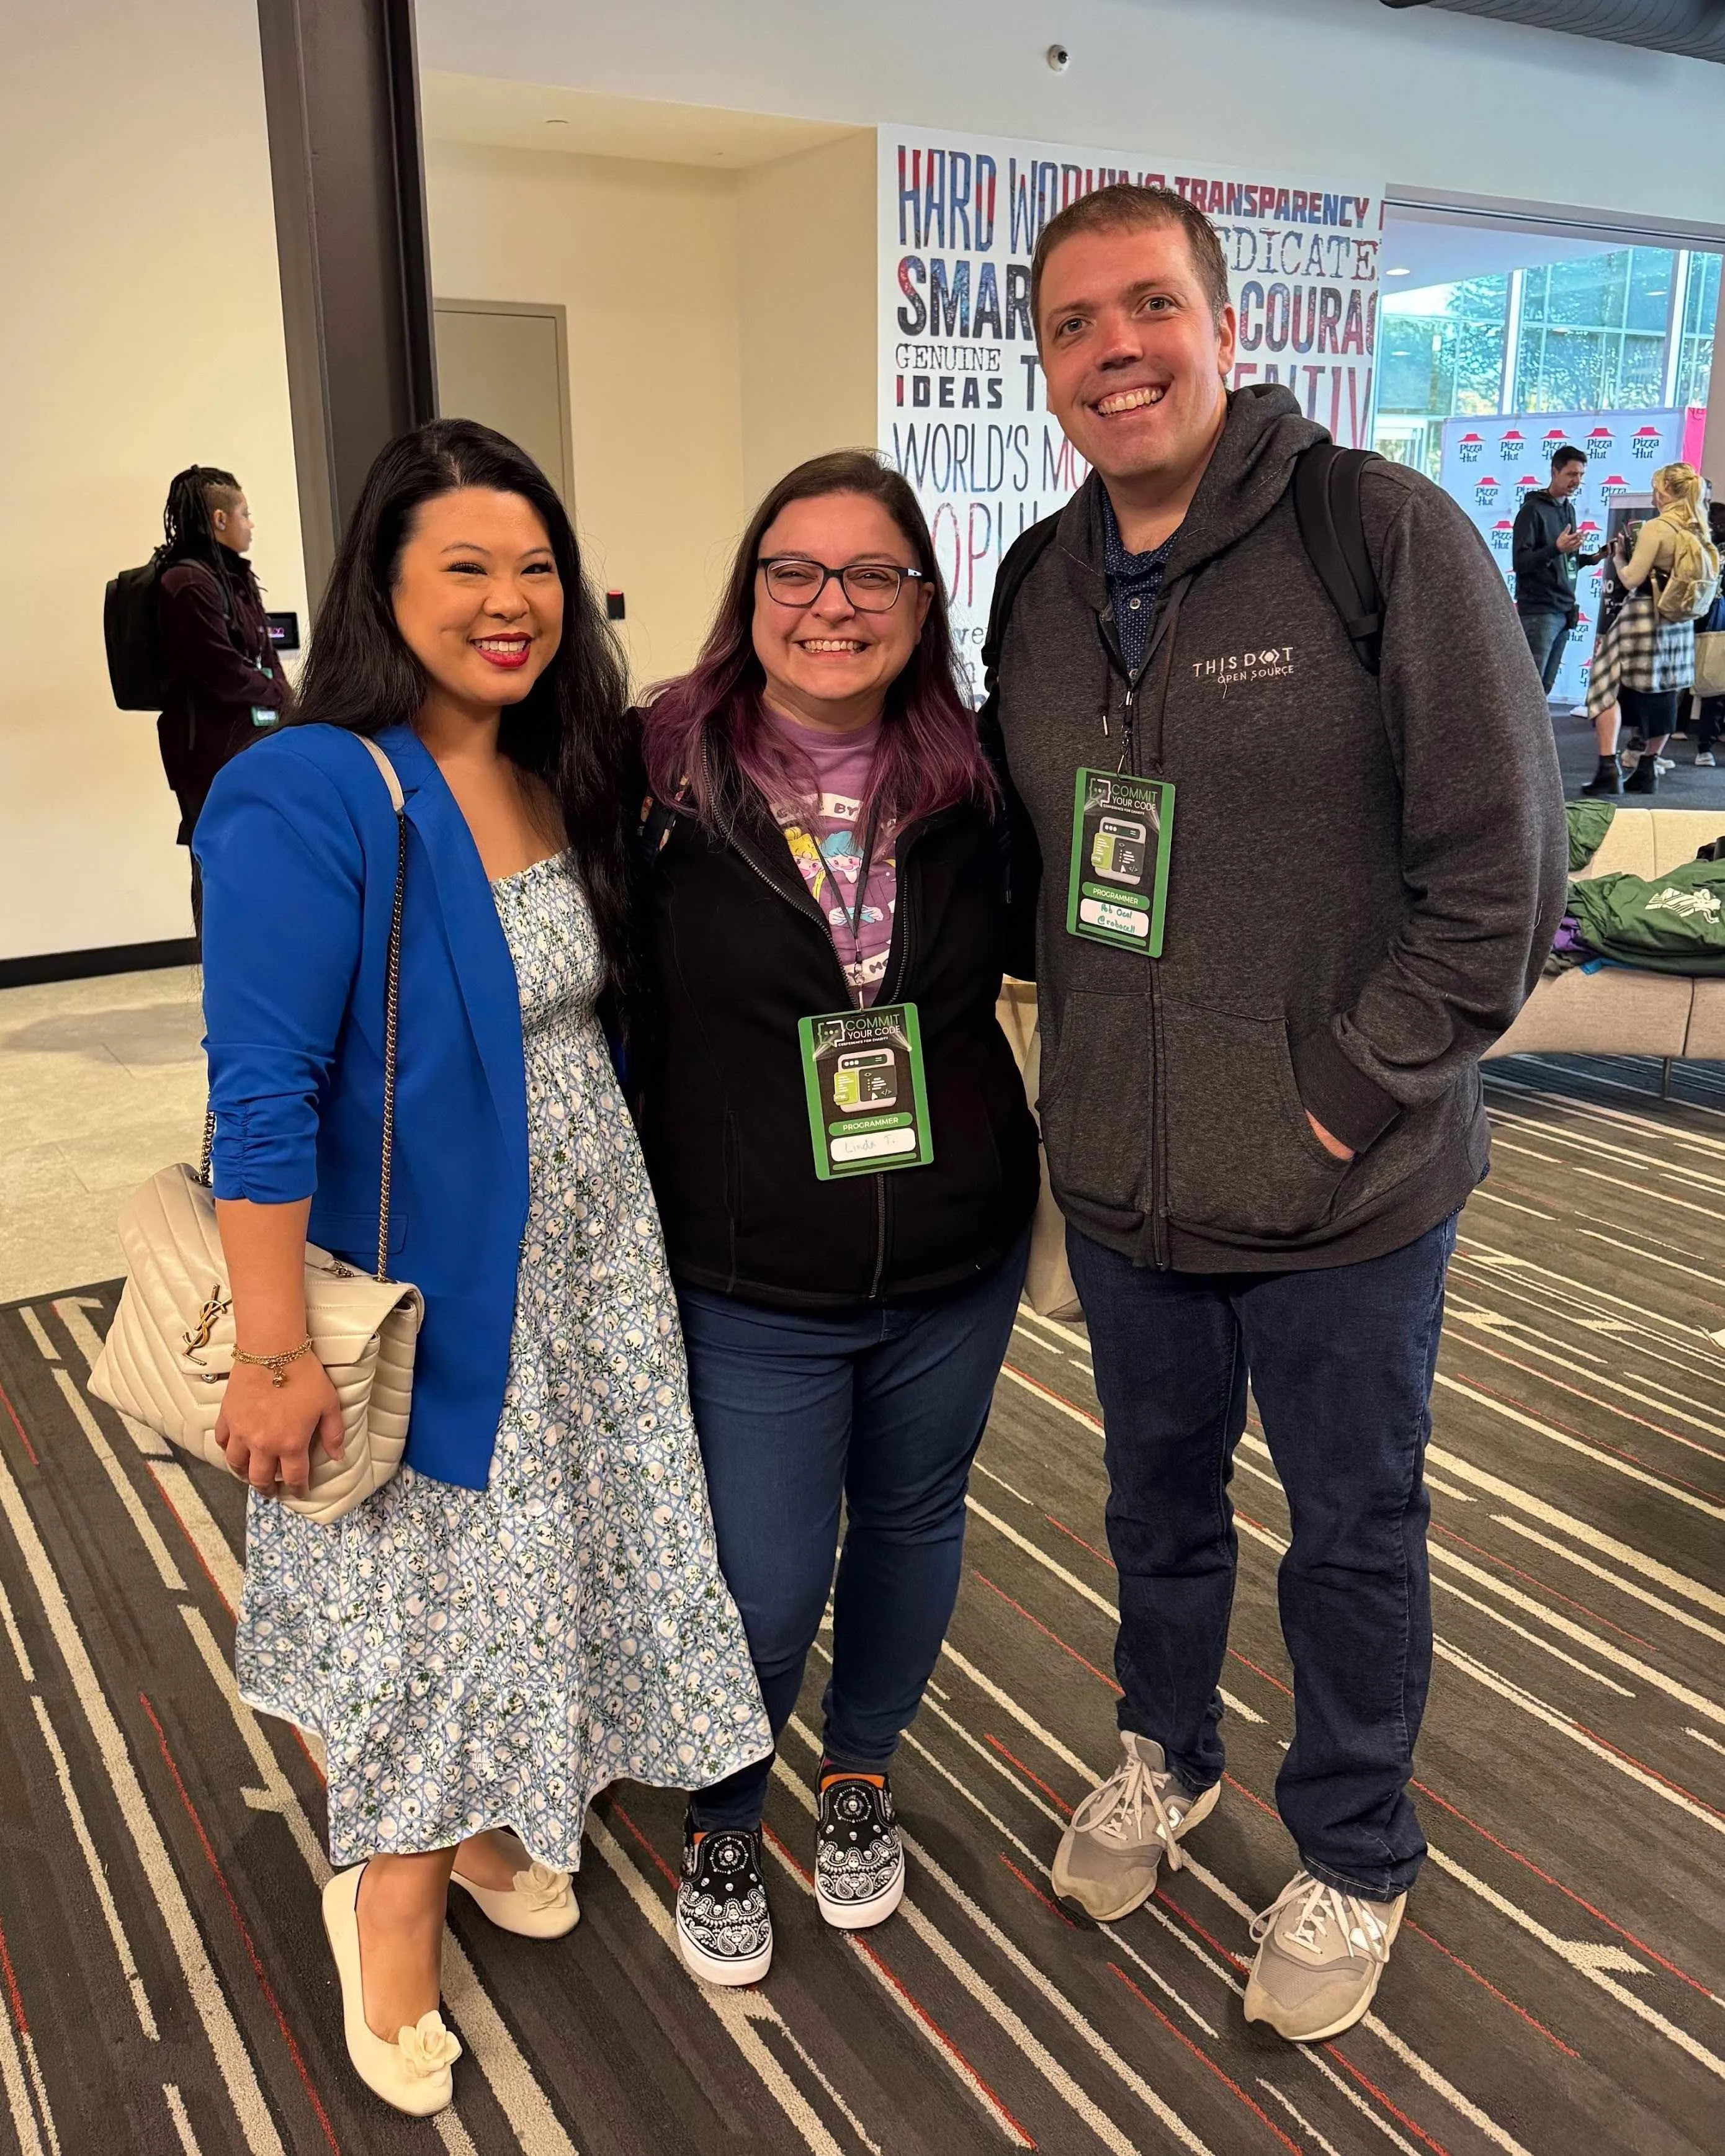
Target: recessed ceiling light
{"points": [[557, 123], [1402, 271]]}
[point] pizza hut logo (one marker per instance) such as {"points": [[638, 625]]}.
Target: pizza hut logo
{"points": [[1587, 533], [1486, 493], [1502, 532], [1644, 442], [1513, 441], [1614, 486], [1526, 486], [1554, 439], [1470, 448], [1600, 442], [1583, 629]]}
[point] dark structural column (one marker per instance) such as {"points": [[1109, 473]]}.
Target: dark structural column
{"points": [[341, 92]]}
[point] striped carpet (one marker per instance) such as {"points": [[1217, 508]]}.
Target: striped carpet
{"points": [[1557, 1990]]}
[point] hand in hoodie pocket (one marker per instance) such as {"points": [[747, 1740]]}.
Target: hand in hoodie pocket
{"points": [[1242, 1155], [1096, 1106]]}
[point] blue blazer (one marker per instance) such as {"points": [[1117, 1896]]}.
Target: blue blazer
{"points": [[297, 846]]}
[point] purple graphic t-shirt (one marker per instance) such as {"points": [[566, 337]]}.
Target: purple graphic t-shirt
{"points": [[826, 843]]}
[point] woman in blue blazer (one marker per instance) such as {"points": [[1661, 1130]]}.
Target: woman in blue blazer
{"points": [[531, 1608]]}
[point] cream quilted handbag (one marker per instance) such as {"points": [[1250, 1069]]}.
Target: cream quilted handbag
{"points": [[170, 1349]]}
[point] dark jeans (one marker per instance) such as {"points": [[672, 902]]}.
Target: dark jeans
{"points": [[1547, 634], [1711, 724], [884, 1409], [1341, 1362]]}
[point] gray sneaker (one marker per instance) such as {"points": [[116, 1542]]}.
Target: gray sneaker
{"points": [[1320, 1954], [1106, 1863]]}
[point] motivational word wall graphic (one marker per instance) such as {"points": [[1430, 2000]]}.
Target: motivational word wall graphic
{"points": [[963, 412], [1491, 465]]}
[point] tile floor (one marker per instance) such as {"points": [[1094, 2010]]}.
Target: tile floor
{"points": [[101, 1083]]}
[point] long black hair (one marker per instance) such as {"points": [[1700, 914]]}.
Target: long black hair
{"points": [[567, 729], [187, 533]]}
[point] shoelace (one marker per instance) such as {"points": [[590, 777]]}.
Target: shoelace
{"points": [[1116, 1810], [1364, 1934]]}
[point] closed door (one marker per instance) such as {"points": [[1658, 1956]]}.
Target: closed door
{"points": [[507, 366]]}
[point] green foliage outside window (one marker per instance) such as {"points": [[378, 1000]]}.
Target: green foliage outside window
{"points": [[1594, 334]]}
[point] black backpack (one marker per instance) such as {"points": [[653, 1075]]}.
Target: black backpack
{"points": [[131, 630], [1326, 507]]}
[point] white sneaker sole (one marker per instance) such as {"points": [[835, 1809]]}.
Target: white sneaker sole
{"points": [[710, 1969], [860, 1916], [1066, 1889]]}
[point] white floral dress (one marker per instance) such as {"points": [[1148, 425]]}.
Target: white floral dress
{"points": [[482, 1658]]}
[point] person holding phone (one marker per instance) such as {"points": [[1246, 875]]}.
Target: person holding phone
{"points": [[838, 1136], [1546, 552]]}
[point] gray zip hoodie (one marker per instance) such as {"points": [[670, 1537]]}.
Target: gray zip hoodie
{"points": [[1364, 879]]}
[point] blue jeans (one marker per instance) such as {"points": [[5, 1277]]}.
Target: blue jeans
{"points": [[1547, 636], [1341, 1361], [883, 1408]]}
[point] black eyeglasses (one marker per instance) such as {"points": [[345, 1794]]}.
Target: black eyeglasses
{"points": [[870, 587]]}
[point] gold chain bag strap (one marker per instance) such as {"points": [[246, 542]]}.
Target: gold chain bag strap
{"points": [[169, 1351]]}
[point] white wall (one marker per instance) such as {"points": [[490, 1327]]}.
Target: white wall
{"points": [[644, 258], [1423, 98], [806, 241], [142, 332]]}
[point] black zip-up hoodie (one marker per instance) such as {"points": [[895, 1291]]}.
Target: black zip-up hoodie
{"points": [[734, 953], [1545, 576], [1365, 875]]}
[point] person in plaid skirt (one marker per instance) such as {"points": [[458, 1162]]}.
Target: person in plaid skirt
{"points": [[1644, 661]]}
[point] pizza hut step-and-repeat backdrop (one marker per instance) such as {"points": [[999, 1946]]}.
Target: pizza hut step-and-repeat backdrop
{"points": [[1491, 465], [962, 409]]}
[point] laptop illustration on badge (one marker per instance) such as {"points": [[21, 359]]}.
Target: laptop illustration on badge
{"points": [[1117, 852], [866, 1080]]}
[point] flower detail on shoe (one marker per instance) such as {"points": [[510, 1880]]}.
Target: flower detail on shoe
{"points": [[541, 1887], [858, 1858], [724, 1926], [427, 2046]]}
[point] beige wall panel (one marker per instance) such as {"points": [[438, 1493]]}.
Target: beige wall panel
{"points": [[643, 258], [142, 332], [806, 228]]}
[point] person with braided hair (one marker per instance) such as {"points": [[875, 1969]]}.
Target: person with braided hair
{"points": [[222, 690]]}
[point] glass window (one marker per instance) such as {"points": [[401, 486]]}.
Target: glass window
{"points": [[1585, 294], [1593, 337], [1701, 311], [1440, 354], [1648, 300]]}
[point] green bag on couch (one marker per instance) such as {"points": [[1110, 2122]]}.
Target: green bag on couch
{"points": [[1668, 924]]}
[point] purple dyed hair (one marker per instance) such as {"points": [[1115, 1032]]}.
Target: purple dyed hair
{"points": [[708, 726]]}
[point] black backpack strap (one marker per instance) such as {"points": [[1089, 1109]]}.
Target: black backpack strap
{"points": [[1326, 507]]}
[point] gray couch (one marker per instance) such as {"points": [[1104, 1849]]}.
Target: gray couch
{"points": [[1615, 1011]]}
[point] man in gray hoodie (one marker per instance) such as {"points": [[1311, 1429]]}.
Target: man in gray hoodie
{"points": [[1285, 906]]}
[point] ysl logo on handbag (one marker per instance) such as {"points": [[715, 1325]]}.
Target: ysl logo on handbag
{"points": [[200, 1338]]}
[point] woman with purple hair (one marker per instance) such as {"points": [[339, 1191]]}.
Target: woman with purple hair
{"points": [[838, 1138]]}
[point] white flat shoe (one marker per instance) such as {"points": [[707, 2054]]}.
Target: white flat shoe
{"points": [[539, 1905], [413, 2073]]}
